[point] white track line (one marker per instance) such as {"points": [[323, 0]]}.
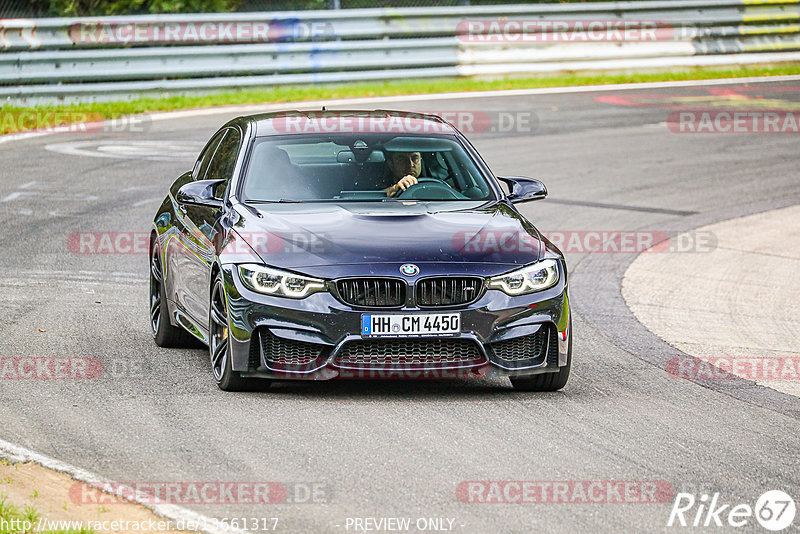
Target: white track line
{"points": [[15, 137], [15, 453], [466, 95], [306, 104]]}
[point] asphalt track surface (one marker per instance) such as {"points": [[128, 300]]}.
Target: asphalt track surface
{"points": [[401, 448]]}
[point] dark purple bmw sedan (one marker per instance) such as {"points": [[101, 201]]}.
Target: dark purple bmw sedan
{"points": [[356, 244]]}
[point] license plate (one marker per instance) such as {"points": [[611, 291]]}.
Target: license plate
{"points": [[432, 324]]}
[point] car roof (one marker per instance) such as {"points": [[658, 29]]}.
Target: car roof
{"points": [[348, 121]]}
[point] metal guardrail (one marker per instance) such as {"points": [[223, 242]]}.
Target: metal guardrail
{"points": [[113, 57]]}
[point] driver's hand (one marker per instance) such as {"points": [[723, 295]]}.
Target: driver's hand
{"points": [[404, 183]]}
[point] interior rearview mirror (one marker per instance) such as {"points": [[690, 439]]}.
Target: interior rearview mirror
{"points": [[348, 156]]}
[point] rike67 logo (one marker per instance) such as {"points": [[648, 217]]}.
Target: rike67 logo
{"points": [[774, 510]]}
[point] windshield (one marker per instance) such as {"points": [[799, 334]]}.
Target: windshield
{"points": [[362, 167]]}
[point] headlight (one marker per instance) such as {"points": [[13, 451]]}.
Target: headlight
{"points": [[278, 283], [529, 279]]}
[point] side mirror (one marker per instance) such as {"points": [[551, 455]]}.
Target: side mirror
{"points": [[200, 193], [524, 189]]}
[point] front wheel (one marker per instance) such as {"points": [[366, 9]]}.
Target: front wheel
{"points": [[218, 347], [164, 334], [547, 381]]}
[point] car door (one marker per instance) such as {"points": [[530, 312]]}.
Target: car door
{"points": [[201, 228], [178, 250]]}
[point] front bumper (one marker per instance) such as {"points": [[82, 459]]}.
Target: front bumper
{"points": [[500, 336]]}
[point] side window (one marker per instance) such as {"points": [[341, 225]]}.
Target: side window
{"points": [[224, 160], [205, 157]]}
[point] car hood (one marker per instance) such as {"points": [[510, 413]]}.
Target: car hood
{"points": [[306, 235]]}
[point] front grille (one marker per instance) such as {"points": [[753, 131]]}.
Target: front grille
{"points": [[372, 292], [526, 348], [409, 354], [287, 354], [447, 290]]}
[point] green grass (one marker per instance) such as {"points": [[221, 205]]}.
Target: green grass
{"points": [[12, 518], [48, 115]]}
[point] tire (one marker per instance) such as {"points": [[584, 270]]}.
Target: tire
{"points": [[219, 349], [547, 381], [164, 334]]}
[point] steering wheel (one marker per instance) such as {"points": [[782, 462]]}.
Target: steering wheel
{"points": [[430, 189]]}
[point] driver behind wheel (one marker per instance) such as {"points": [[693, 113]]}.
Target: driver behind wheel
{"points": [[405, 168]]}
